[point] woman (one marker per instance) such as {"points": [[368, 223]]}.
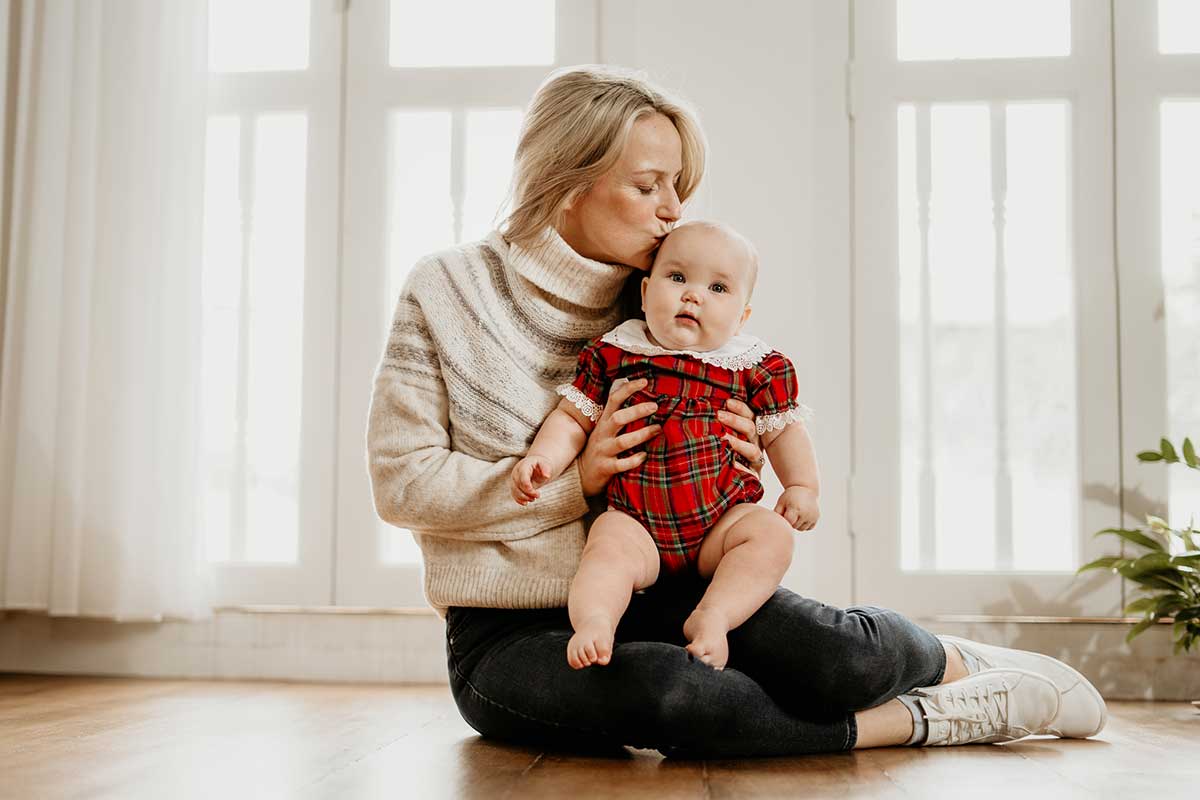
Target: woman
{"points": [[481, 336]]}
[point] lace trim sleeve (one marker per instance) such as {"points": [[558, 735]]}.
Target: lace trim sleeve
{"points": [[771, 422], [580, 401]]}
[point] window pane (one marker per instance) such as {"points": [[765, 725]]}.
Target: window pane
{"points": [[1178, 26], [471, 33], [977, 394], [257, 35], [221, 287], [1042, 415], [275, 337], [491, 144], [397, 546], [939, 30], [420, 205], [1180, 173]]}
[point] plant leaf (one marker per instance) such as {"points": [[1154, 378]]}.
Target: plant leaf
{"points": [[1157, 524], [1149, 455], [1141, 626], [1135, 536], [1141, 606], [1186, 614], [1189, 454], [1168, 451], [1105, 562]]}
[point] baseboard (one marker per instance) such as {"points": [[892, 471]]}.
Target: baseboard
{"points": [[371, 647], [376, 646]]}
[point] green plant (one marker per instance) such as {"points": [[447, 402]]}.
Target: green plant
{"points": [[1169, 582]]}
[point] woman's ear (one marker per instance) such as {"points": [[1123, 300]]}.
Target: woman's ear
{"points": [[572, 197]]}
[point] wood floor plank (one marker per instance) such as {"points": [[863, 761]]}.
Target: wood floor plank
{"points": [[78, 737]]}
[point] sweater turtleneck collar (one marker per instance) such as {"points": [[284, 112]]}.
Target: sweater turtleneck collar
{"points": [[555, 268]]}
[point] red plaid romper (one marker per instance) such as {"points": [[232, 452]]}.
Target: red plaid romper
{"points": [[688, 479]]}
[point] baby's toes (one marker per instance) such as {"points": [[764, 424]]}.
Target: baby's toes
{"points": [[575, 656]]}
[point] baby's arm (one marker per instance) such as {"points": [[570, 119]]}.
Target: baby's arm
{"points": [[791, 452], [560, 439]]}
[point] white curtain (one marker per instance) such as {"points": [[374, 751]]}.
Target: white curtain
{"points": [[102, 254]]}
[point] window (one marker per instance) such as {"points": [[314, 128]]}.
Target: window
{"points": [[1158, 227], [985, 335], [320, 195]]}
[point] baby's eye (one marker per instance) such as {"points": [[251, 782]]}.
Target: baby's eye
{"points": [[719, 288], [677, 277]]}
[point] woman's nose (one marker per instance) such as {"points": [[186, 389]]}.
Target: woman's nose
{"points": [[671, 209]]}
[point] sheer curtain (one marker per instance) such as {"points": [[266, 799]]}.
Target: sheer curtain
{"points": [[101, 244]]}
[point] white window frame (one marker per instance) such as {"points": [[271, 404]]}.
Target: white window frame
{"points": [[1144, 78], [315, 92], [880, 83], [373, 89]]}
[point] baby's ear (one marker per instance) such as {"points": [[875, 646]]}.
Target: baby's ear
{"points": [[645, 283], [745, 316]]}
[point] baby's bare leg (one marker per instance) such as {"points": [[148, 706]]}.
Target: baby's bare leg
{"points": [[745, 554], [620, 557]]}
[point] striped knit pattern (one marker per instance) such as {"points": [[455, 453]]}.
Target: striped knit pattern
{"points": [[481, 335]]}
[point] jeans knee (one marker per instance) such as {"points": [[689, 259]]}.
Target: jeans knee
{"points": [[863, 663]]}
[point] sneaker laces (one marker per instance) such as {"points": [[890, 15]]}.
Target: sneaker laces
{"points": [[971, 712]]}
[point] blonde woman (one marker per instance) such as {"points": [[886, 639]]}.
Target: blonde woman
{"points": [[482, 335]]}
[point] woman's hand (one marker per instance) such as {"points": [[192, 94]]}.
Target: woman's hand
{"points": [[738, 417], [600, 459]]}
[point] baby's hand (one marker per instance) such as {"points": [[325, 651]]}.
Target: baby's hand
{"points": [[799, 506], [529, 473]]}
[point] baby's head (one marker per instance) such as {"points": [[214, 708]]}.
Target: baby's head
{"points": [[697, 296]]}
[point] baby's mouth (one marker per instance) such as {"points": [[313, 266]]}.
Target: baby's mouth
{"points": [[687, 316]]}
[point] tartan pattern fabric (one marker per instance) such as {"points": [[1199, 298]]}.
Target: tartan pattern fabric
{"points": [[689, 478]]}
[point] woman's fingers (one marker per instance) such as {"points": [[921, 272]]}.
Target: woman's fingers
{"points": [[747, 450], [627, 415], [629, 462], [743, 425], [735, 406], [628, 441], [623, 393]]}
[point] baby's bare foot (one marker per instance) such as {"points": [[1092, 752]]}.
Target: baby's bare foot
{"points": [[591, 644], [705, 629]]}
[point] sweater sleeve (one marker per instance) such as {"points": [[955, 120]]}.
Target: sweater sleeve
{"points": [[418, 481]]}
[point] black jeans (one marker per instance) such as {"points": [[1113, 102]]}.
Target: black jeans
{"points": [[797, 672]]}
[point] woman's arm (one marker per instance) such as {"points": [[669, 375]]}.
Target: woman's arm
{"points": [[417, 480]]}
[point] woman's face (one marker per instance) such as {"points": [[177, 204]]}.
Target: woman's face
{"points": [[624, 217]]}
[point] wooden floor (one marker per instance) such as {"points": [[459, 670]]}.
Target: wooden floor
{"points": [[128, 738]]}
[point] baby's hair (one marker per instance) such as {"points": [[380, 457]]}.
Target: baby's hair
{"points": [[729, 233]]}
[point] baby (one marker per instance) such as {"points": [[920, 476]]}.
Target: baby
{"points": [[689, 506]]}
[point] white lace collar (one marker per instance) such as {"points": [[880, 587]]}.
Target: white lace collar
{"points": [[741, 352]]}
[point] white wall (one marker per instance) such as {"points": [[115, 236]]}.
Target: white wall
{"points": [[768, 79]]}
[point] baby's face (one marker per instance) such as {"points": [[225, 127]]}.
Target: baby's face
{"points": [[697, 294]]}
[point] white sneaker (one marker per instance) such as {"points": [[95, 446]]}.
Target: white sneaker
{"points": [[1082, 711], [995, 705]]}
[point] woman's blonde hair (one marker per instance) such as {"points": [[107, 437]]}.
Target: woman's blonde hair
{"points": [[574, 131]]}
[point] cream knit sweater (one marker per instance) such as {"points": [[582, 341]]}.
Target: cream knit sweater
{"points": [[481, 335]]}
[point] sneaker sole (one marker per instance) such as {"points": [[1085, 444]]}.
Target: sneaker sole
{"points": [[1050, 661]]}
